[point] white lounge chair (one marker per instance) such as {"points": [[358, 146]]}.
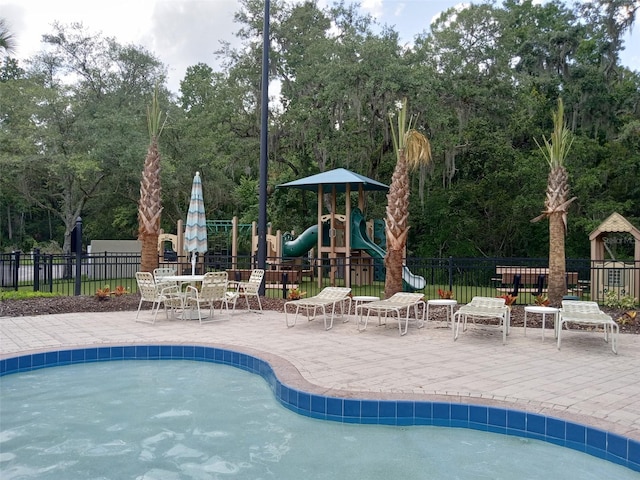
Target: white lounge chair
{"points": [[250, 288], [587, 313], [328, 297], [213, 290], [150, 291], [483, 307], [394, 306]]}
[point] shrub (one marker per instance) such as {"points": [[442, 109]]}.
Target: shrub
{"points": [[613, 300]]}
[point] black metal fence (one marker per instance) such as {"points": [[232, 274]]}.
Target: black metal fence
{"points": [[83, 274]]}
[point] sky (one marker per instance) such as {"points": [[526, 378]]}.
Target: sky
{"points": [[182, 33]]}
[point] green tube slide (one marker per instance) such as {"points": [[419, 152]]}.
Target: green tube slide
{"points": [[361, 241], [299, 246]]}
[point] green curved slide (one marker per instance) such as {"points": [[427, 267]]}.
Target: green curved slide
{"points": [[302, 244], [359, 241]]}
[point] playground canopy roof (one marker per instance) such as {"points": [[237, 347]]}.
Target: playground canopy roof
{"points": [[339, 178]]}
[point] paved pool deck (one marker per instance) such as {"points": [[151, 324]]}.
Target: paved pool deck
{"points": [[583, 382]]}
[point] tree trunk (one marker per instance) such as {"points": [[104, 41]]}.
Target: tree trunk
{"points": [[397, 227], [9, 223], [149, 255], [557, 261], [150, 208], [393, 263]]}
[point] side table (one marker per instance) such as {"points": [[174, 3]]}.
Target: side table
{"points": [[360, 299], [544, 311], [449, 305]]}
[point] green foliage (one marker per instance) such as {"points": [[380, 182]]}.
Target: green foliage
{"points": [[23, 295], [154, 117], [557, 147], [614, 300], [482, 82]]}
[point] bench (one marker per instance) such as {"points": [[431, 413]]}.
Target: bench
{"points": [[515, 279]]}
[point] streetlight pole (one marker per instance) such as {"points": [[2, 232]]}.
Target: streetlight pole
{"points": [[264, 135]]}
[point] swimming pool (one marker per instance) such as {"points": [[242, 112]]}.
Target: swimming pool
{"points": [[593, 441]]}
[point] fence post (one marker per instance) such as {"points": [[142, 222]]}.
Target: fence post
{"points": [[50, 272], [450, 273], [78, 229], [285, 280], [15, 270], [36, 269]]}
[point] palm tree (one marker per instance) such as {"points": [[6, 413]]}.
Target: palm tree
{"points": [[555, 151], [412, 150], [7, 42], [150, 206]]}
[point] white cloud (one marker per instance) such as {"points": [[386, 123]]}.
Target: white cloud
{"points": [[179, 32], [372, 7], [184, 33], [399, 9]]}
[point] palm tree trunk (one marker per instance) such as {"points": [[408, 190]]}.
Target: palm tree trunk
{"points": [[557, 262], [149, 255], [396, 226], [150, 209], [393, 281]]}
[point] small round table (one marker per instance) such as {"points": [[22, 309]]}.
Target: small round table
{"points": [[449, 305], [544, 311], [360, 299]]}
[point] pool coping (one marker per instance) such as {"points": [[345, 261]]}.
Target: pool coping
{"points": [[297, 394]]}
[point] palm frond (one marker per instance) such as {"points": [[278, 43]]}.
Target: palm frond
{"points": [[154, 117], [556, 149], [417, 149], [407, 140]]}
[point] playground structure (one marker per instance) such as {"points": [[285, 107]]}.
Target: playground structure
{"points": [[367, 247], [344, 245], [353, 251]]}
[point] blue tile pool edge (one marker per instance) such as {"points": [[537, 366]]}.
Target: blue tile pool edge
{"points": [[599, 443]]}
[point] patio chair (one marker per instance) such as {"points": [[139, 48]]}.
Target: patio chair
{"points": [[150, 291], [161, 272], [250, 288], [483, 307], [329, 297], [587, 313], [213, 289], [394, 306]]}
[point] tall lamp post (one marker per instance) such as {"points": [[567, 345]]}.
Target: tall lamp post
{"points": [[264, 133]]}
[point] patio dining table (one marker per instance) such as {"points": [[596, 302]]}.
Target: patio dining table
{"points": [[182, 279]]}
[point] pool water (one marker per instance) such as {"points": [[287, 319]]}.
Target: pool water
{"points": [[192, 420]]}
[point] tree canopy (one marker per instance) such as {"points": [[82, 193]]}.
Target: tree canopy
{"points": [[483, 81]]}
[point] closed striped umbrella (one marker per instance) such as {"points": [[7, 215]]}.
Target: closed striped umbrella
{"points": [[195, 232]]}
